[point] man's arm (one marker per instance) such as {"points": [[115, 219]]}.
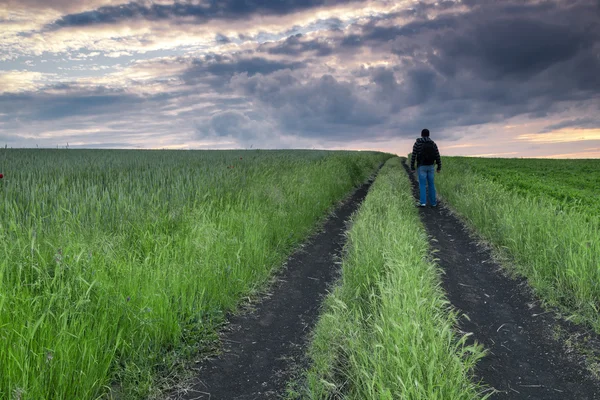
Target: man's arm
{"points": [[413, 156], [438, 159]]}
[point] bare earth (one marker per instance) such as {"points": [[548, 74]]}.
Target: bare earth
{"points": [[263, 349], [526, 359]]}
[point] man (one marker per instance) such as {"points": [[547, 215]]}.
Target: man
{"points": [[426, 153]]}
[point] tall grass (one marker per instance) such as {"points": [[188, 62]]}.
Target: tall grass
{"points": [[557, 248], [115, 265], [387, 330]]}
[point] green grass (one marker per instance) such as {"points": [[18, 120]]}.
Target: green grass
{"points": [[568, 184], [387, 331], [544, 215], [117, 265]]}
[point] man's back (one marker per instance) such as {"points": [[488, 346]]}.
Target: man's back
{"points": [[425, 152]]}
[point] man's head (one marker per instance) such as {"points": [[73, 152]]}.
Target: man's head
{"points": [[425, 133]]}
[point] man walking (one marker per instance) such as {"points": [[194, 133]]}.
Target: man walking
{"points": [[426, 153]]}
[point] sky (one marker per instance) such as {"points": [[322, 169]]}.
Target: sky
{"points": [[498, 78]]}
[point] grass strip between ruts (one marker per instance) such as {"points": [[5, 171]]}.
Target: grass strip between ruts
{"points": [[387, 330], [557, 250]]}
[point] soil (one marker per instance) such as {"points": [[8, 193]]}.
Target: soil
{"points": [[528, 357], [263, 349]]}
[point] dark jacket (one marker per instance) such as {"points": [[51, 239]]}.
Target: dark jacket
{"points": [[416, 153]]}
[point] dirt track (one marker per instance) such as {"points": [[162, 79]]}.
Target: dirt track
{"points": [[263, 348], [525, 361]]}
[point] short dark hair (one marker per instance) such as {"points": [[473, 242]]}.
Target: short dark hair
{"points": [[425, 133]]}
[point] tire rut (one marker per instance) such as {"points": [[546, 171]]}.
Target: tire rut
{"points": [[524, 360], [262, 349]]}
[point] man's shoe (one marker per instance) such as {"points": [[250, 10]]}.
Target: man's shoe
{"points": [[422, 205], [434, 205]]}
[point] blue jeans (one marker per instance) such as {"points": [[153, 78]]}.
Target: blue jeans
{"points": [[426, 173]]}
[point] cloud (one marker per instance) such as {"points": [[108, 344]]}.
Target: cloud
{"points": [[296, 45], [319, 107], [304, 71], [20, 81], [244, 129], [217, 70], [47, 107], [199, 13], [485, 64], [563, 136], [59, 5], [511, 48], [123, 27], [581, 123], [223, 65]]}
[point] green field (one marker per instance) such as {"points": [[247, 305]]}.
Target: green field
{"points": [[543, 214], [117, 265], [570, 184]]}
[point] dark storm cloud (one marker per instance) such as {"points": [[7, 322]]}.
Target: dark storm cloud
{"points": [[495, 61], [222, 39], [460, 69], [311, 109], [217, 70], [518, 48], [296, 46], [250, 66], [213, 9], [377, 32], [374, 33], [522, 64], [47, 107]]}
